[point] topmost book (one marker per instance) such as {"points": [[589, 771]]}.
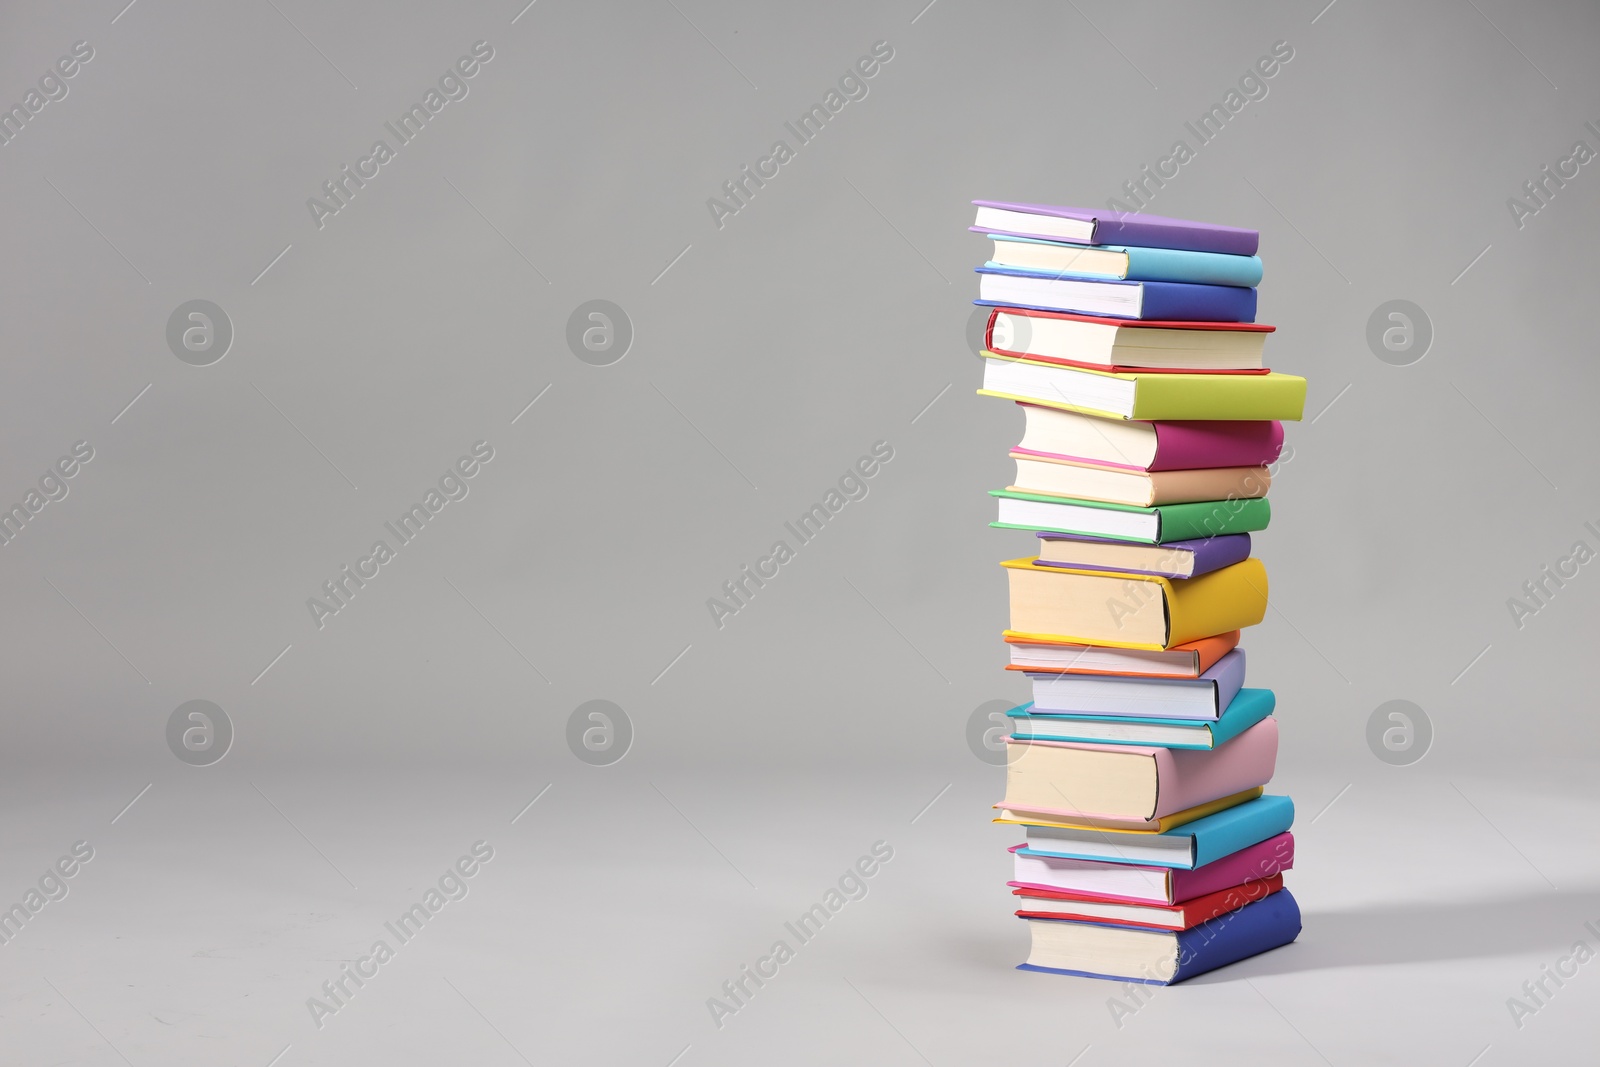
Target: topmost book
{"points": [[1111, 228]]}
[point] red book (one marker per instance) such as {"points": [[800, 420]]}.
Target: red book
{"points": [[1040, 904]]}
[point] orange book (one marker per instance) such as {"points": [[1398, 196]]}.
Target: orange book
{"points": [[1043, 655]]}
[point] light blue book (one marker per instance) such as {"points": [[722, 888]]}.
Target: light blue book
{"points": [[1185, 847], [1246, 709], [1130, 264]]}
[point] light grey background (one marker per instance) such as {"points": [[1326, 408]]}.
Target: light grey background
{"points": [[830, 313]]}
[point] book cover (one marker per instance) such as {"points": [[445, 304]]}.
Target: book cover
{"points": [[1182, 916], [1167, 396], [1229, 599], [1142, 231], [1261, 860], [1210, 553], [1072, 821], [1133, 697], [1246, 709], [1188, 660], [1268, 923], [1157, 300], [1209, 839], [1167, 264], [1174, 522], [1183, 778]]}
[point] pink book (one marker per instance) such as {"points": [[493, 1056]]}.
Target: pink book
{"points": [[1139, 884], [1161, 446], [1050, 777]]}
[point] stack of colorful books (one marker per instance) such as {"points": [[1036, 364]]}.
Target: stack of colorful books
{"points": [[1151, 427]]}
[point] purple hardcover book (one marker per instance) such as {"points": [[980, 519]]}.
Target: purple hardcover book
{"points": [[1175, 559], [1118, 228], [1110, 694]]}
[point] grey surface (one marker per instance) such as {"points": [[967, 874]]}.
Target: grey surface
{"points": [[767, 356]]}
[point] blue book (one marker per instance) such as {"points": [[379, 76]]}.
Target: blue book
{"points": [[1133, 264], [1204, 698], [1113, 298], [1246, 709], [1185, 848], [1159, 957]]}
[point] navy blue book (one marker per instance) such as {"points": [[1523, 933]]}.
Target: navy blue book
{"points": [[1110, 298], [1161, 957]]}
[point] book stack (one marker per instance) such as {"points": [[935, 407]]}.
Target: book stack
{"points": [[1137, 773]]}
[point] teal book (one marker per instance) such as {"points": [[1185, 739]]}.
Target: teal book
{"points": [[1246, 709], [1131, 264], [1194, 844], [1159, 525]]}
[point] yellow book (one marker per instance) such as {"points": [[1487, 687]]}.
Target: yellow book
{"points": [[1024, 817], [1133, 610], [1145, 396]]}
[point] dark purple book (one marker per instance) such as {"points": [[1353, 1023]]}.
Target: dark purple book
{"points": [[1052, 223], [1175, 559]]}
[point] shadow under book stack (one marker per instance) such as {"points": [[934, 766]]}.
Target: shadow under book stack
{"points": [[1137, 773]]}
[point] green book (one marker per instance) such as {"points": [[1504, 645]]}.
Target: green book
{"points": [[1119, 522]]}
